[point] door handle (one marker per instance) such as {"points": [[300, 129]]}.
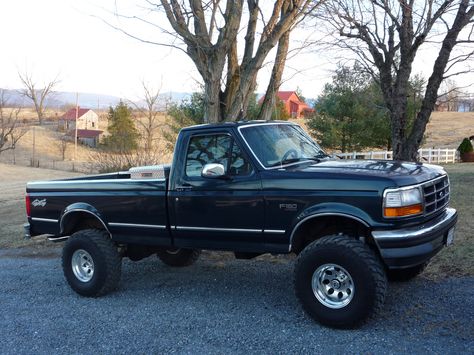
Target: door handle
{"points": [[184, 187]]}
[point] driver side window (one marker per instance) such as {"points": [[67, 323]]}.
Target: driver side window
{"points": [[220, 149]]}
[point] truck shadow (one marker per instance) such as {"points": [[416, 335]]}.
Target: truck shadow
{"points": [[265, 287]]}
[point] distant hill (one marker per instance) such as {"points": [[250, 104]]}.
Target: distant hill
{"points": [[60, 99], [91, 100]]}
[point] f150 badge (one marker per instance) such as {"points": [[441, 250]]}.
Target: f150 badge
{"points": [[39, 203], [288, 206]]}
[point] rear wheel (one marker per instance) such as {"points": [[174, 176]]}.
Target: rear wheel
{"points": [[339, 281], [91, 263], [406, 274], [179, 257]]}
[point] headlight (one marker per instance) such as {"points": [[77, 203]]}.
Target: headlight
{"points": [[402, 202]]}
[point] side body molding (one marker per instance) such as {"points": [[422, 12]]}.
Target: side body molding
{"points": [[71, 212]]}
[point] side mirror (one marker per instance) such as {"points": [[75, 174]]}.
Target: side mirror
{"points": [[213, 170]]}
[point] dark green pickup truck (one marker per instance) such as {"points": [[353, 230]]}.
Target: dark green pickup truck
{"points": [[254, 188]]}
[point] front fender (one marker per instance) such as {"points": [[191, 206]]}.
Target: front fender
{"points": [[327, 210], [332, 209], [71, 212]]}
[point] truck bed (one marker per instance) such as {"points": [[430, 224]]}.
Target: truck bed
{"points": [[124, 205]]}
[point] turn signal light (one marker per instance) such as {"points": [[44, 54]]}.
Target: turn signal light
{"points": [[403, 211]]}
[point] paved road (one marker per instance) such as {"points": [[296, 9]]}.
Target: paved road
{"points": [[219, 305]]}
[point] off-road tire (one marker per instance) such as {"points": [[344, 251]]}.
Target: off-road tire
{"points": [[406, 274], [106, 261], [364, 269], [179, 257]]}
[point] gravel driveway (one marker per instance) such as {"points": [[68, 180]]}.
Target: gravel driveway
{"points": [[219, 305]]}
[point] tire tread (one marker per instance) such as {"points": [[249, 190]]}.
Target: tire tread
{"points": [[364, 252], [112, 258]]}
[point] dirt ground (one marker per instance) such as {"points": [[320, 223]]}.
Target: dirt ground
{"points": [[447, 129], [13, 179]]}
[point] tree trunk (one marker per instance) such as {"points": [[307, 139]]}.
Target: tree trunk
{"points": [[416, 136], [149, 139], [240, 100], [398, 120], [212, 107], [39, 112], [275, 80]]}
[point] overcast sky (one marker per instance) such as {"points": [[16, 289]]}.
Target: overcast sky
{"points": [[62, 37]]}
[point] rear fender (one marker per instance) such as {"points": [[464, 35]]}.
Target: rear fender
{"points": [[74, 213]]}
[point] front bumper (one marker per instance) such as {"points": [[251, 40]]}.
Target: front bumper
{"points": [[407, 247]]}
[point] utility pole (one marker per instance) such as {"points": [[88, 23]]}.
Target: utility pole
{"points": [[75, 126], [34, 147]]}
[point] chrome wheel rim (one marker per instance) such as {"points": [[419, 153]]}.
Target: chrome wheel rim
{"points": [[173, 251], [333, 286], [82, 265]]}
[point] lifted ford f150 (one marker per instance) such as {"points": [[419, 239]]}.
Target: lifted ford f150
{"points": [[253, 188]]}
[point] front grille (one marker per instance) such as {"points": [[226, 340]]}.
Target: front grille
{"points": [[436, 194]]}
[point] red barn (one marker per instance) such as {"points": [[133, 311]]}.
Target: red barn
{"points": [[293, 105]]}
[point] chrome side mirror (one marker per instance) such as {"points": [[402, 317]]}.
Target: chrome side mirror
{"points": [[213, 170]]}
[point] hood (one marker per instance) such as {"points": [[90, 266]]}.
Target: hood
{"points": [[401, 173]]}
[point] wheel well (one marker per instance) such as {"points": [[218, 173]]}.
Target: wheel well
{"points": [[318, 227], [77, 221]]}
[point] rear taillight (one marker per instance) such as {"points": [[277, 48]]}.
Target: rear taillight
{"points": [[28, 205]]}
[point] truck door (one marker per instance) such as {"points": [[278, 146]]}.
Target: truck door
{"points": [[216, 213]]}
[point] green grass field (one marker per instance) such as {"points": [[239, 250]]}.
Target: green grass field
{"points": [[458, 259]]}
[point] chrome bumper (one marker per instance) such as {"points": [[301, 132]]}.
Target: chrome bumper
{"points": [[411, 246]]}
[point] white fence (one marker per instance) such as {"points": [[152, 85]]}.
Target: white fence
{"points": [[430, 155]]}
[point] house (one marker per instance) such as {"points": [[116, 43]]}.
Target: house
{"points": [[86, 119], [87, 137], [295, 107]]}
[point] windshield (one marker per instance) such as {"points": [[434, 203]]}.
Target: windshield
{"points": [[281, 144]]}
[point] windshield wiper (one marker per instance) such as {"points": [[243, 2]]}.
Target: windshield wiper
{"points": [[321, 156], [294, 160]]}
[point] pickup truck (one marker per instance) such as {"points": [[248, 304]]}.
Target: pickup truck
{"points": [[254, 187]]}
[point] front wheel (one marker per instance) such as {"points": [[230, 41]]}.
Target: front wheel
{"points": [[91, 263], [339, 281], [179, 257]]}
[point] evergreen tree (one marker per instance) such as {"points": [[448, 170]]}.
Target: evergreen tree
{"points": [[188, 113], [350, 114], [280, 112], [253, 108], [123, 135]]}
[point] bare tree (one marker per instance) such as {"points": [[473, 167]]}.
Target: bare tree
{"points": [[450, 94], [62, 144], [386, 35], [37, 95], [11, 129], [149, 109], [208, 32], [270, 99]]}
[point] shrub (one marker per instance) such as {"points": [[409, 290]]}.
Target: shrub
{"points": [[465, 146]]}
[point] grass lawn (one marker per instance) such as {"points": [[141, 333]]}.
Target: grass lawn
{"points": [[456, 260]]}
